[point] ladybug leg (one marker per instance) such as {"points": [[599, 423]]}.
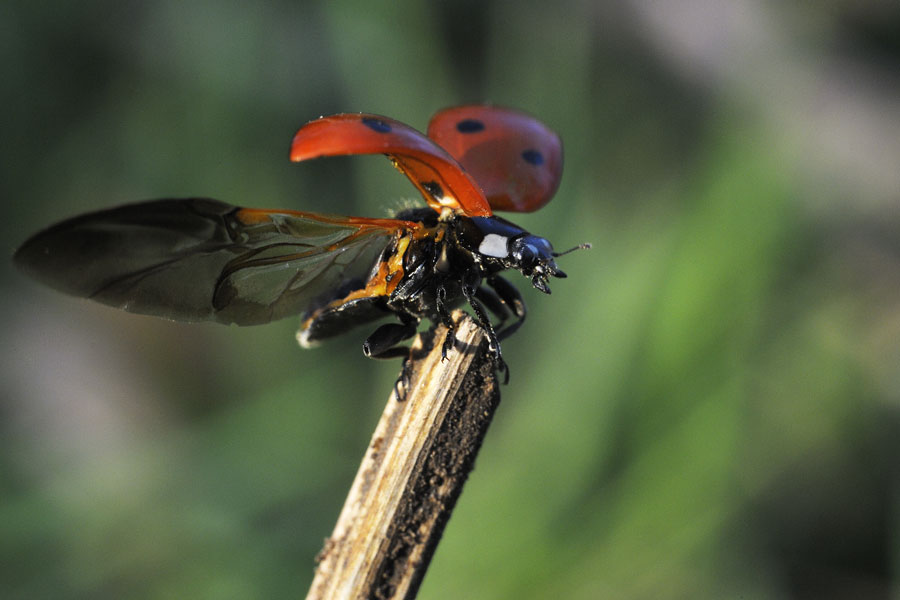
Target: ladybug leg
{"points": [[383, 341], [339, 316], [493, 303], [512, 299], [446, 320], [401, 386], [381, 344], [470, 293], [484, 321]]}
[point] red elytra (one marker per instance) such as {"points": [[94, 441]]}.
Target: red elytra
{"points": [[475, 159], [516, 159]]}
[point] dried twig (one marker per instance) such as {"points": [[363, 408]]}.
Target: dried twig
{"points": [[421, 453]]}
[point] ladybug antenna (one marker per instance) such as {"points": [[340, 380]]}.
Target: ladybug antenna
{"points": [[583, 246]]}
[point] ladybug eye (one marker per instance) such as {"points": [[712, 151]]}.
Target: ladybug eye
{"points": [[525, 252], [527, 256]]}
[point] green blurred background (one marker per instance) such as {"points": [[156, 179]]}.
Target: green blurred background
{"points": [[706, 408]]}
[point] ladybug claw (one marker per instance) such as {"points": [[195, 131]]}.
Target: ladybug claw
{"points": [[448, 345]]}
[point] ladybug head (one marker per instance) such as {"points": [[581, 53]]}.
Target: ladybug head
{"points": [[533, 256], [510, 247]]}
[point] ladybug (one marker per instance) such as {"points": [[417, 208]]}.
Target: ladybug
{"points": [[200, 259]]}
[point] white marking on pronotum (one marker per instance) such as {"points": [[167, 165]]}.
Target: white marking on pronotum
{"points": [[494, 245]]}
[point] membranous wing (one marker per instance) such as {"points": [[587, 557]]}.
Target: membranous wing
{"points": [[204, 260]]}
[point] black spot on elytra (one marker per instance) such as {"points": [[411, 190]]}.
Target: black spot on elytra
{"points": [[434, 189], [533, 157], [470, 126], [376, 125]]}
